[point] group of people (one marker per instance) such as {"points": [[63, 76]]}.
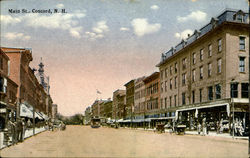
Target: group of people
{"points": [[15, 131]]}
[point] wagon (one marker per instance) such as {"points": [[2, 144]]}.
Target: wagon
{"points": [[180, 129]]}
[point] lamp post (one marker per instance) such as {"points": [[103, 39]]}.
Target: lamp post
{"points": [[232, 100]]}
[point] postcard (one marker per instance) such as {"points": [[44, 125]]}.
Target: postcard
{"points": [[124, 78]]}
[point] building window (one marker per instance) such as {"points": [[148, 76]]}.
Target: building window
{"points": [[218, 91], [201, 54], [161, 75], [219, 65], [1, 84], [210, 50], [183, 98], [170, 101], [175, 82], [175, 68], [242, 43], [161, 104], [1, 63], [219, 45], [175, 100], [162, 87], [184, 63], [183, 79], [193, 75], [201, 72], [194, 58], [234, 90], [166, 102], [200, 95], [244, 90], [166, 83], [242, 64], [193, 97], [166, 73], [210, 93], [209, 69], [171, 70], [170, 86]]}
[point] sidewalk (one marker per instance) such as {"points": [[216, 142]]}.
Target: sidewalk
{"points": [[28, 133], [225, 135], [211, 133]]}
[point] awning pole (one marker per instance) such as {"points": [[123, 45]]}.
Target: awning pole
{"points": [[33, 120]]}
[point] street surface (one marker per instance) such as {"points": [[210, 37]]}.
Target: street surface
{"points": [[83, 141]]}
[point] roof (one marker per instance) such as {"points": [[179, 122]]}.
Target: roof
{"points": [[131, 81], [151, 77], [226, 16]]}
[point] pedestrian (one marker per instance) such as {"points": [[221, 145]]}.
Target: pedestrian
{"points": [[15, 135], [204, 127], [29, 123], [199, 128], [24, 129], [19, 128], [218, 127], [10, 132]]}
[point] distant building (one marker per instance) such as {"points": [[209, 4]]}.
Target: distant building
{"points": [[152, 95], [119, 104], [130, 91], [139, 98], [54, 111]]}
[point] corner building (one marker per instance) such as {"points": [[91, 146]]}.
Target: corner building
{"points": [[206, 75]]}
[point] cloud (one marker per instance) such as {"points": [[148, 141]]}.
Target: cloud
{"points": [[194, 0], [100, 27], [124, 29], [198, 16], [60, 21], [142, 27], [75, 32], [154, 7], [183, 34], [7, 19], [60, 6], [16, 36], [98, 31]]}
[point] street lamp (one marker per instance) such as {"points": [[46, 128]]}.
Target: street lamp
{"points": [[232, 100]]}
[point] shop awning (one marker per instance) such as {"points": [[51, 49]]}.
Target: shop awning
{"points": [[38, 115], [163, 118], [26, 111], [44, 116], [203, 107], [121, 120], [127, 120]]}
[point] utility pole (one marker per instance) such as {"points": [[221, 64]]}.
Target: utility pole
{"points": [[248, 84]]}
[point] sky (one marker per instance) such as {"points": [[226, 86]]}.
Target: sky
{"points": [[101, 44]]}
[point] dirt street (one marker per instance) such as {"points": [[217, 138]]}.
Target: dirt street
{"points": [[83, 141]]}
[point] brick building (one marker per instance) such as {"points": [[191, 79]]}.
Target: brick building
{"points": [[152, 93], [119, 104], [30, 94], [206, 75], [139, 99], [130, 91], [8, 91]]}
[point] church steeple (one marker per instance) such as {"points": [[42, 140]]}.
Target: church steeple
{"points": [[44, 81]]}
